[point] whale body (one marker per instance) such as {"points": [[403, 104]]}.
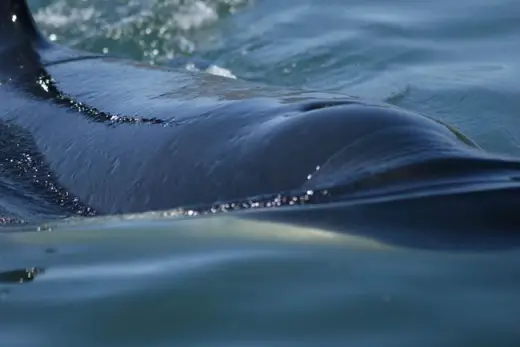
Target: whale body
{"points": [[88, 134]]}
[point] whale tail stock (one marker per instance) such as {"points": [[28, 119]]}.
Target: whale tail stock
{"points": [[17, 24]]}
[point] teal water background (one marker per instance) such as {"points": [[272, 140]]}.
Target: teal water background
{"points": [[148, 281]]}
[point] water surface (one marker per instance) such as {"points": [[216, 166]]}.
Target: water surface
{"points": [[223, 281]]}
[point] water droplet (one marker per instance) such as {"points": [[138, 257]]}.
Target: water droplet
{"points": [[43, 228]]}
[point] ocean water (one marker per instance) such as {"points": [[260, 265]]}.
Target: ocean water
{"points": [[145, 280]]}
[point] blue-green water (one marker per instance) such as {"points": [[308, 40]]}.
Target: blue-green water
{"points": [[221, 281]]}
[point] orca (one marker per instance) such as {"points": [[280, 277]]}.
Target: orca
{"points": [[87, 134]]}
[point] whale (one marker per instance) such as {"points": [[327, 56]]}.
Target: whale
{"points": [[86, 134]]}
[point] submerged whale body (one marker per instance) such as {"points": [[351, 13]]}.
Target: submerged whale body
{"points": [[87, 134]]}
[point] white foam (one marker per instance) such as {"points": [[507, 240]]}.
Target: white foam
{"points": [[213, 70], [57, 15], [194, 16]]}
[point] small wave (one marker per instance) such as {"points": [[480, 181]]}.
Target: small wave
{"points": [[153, 31]]}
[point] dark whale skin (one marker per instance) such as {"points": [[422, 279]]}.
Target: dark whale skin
{"points": [[85, 134]]}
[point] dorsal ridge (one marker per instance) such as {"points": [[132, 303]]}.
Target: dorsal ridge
{"points": [[17, 23]]}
